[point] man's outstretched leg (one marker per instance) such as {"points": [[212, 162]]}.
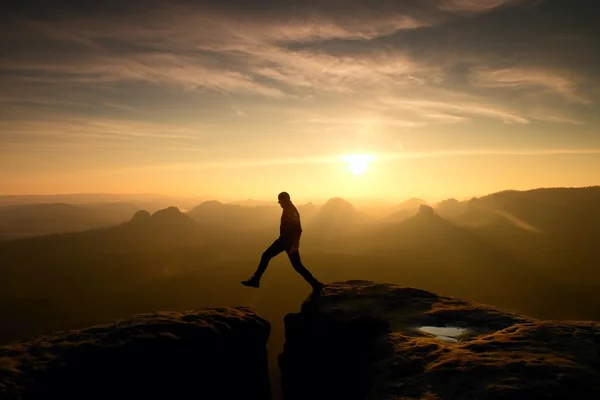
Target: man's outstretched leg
{"points": [[301, 269], [273, 250]]}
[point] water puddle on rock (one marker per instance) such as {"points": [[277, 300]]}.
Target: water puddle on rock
{"points": [[445, 333]]}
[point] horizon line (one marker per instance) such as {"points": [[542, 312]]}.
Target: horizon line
{"points": [[226, 200]]}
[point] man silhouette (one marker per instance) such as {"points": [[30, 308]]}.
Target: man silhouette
{"points": [[290, 230]]}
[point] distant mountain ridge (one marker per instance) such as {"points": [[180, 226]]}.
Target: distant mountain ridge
{"points": [[406, 209], [214, 213], [541, 210], [150, 202], [39, 219], [166, 218]]}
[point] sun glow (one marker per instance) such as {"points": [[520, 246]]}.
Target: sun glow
{"points": [[358, 164]]}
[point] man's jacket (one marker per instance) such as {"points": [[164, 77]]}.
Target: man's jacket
{"points": [[290, 226]]}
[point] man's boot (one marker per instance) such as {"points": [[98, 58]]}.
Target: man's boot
{"points": [[252, 282], [317, 287]]}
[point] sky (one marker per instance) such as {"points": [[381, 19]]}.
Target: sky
{"points": [[244, 99]]}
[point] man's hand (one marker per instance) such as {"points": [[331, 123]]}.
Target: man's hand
{"points": [[294, 249]]}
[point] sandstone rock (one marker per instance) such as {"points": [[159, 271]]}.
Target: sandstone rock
{"points": [[214, 353], [141, 215], [362, 340]]}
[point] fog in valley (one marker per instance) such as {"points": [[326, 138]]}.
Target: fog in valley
{"points": [[93, 260]]}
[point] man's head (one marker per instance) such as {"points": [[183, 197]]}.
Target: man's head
{"points": [[284, 199]]}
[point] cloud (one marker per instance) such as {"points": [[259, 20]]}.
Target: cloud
{"points": [[269, 19], [455, 111], [164, 68], [325, 72], [342, 158], [558, 118], [529, 78], [207, 47], [354, 122], [307, 54], [479, 6], [96, 131], [489, 152]]}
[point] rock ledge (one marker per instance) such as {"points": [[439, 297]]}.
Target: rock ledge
{"points": [[208, 353], [362, 340]]}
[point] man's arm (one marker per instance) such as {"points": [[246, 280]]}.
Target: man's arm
{"points": [[295, 242]]}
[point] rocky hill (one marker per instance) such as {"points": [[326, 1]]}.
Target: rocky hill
{"points": [[210, 353], [361, 340], [406, 210]]}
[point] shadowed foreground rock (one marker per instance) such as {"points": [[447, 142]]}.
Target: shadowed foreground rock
{"points": [[215, 353], [361, 340]]}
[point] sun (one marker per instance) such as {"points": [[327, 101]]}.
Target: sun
{"points": [[358, 164]]}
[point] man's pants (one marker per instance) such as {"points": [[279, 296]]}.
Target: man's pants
{"points": [[280, 245]]}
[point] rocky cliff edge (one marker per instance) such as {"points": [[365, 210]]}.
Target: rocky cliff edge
{"points": [[215, 353], [363, 340]]}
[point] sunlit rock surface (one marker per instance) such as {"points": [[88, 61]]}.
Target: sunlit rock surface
{"points": [[215, 353], [361, 340]]}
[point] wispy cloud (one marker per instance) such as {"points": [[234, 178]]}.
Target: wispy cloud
{"points": [[343, 74], [67, 131], [488, 152], [341, 159], [530, 78], [455, 111], [180, 43], [163, 68], [479, 6], [358, 121], [239, 21], [338, 65]]}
